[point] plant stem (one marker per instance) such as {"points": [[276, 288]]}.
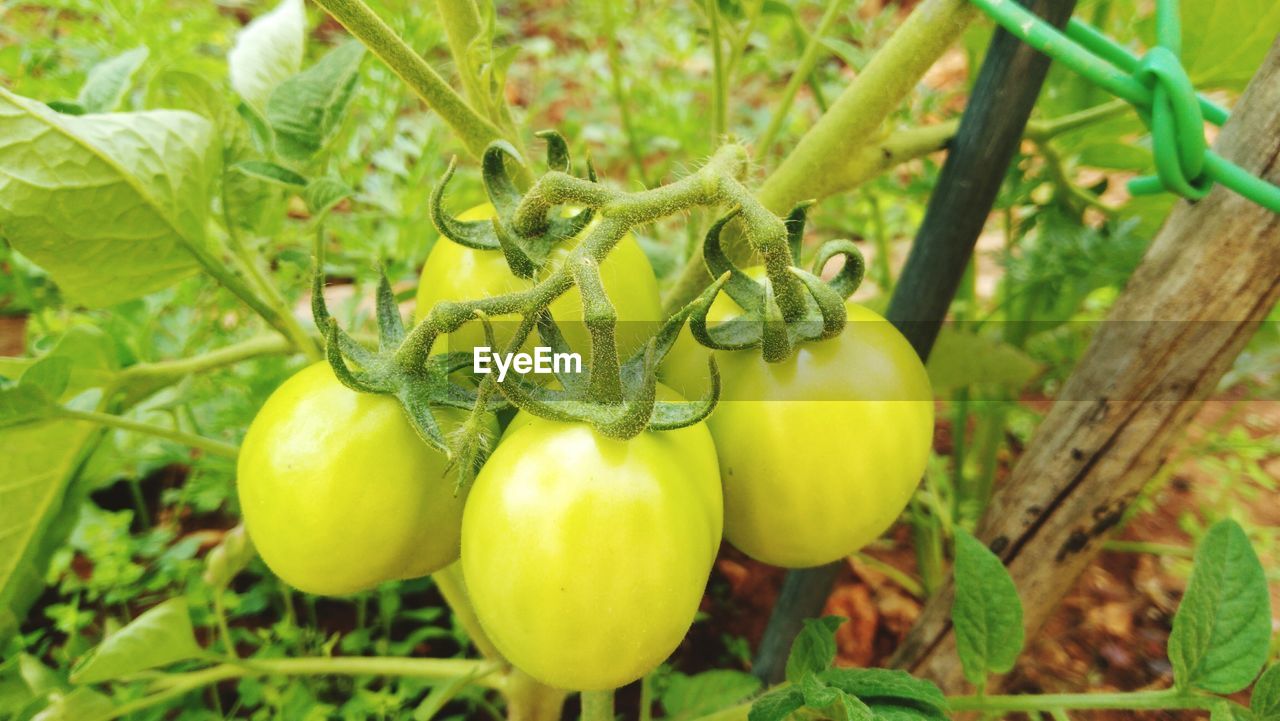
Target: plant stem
{"points": [[903, 579], [1158, 549], [801, 75], [461, 21], [176, 685], [224, 629], [251, 262], [1134, 700], [597, 706], [719, 122], [208, 445], [449, 582], [620, 92], [228, 355], [473, 129]]}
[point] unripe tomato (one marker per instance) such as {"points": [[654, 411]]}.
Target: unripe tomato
{"points": [[819, 453], [455, 272], [586, 557], [339, 493]]}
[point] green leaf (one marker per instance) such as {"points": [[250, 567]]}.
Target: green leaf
{"points": [[889, 687], [832, 702], [1225, 710], [159, 637], [307, 109], [776, 705], [112, 206], [814, 648], [987, 614], [51, 375], [271, 172], [24, 404], [1224, 42], [322, 194], [35, 510], [688, 697], [1222, 629], [109, 80], [1265, 702], [79, 704], [962, 359], [267, 51]]}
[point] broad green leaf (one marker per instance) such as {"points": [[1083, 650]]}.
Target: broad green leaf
{"points": [[1265, 702], [987, 614], [267, 51], [21, 404], [322, 194], [1224, 41], [889, 687], [79, 704], [35, 508], [831, 702], [814, 648], [112, 206], [961, 359], [51, 375], [307, 109], [1225, 710], [109, 80], [1221, 632], [688, 697], [776, 705], [160, 636], [270, 172]]}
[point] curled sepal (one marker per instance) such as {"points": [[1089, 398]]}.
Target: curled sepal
{"points": [[390, 324], [478, 234], [320, 310], [355, 380], [549, 332], [670, 415], [795, 229], [418, 410], [557, 150], [744, 291], [518, 257], [775, 336], [830, 306], [501, 189], [736, 334], [847, 280]]}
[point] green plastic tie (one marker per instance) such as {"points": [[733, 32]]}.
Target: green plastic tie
{"points": [[1159, 89]]}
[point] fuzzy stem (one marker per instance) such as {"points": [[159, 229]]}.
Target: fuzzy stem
{"points": [[473, 129], [597, 706], [225, 356]]}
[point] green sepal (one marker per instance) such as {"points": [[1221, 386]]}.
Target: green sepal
{"points": [[851, 273], [732, 335], [557, 150], [670, 415], [775, 335], [390, 324], [476, 234], [829, 303], [741, 288], [519, 258], [795, 229], [498, 185], [549, 332]]}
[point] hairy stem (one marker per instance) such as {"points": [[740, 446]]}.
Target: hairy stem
{"points": [[228, 355], [597, 706]]}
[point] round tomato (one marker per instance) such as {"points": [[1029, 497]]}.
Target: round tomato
{"points": [[339, 493], [586, 557], [456, 273], [819, 453]]}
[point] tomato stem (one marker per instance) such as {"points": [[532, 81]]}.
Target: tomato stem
{"points": [[597, 706]]}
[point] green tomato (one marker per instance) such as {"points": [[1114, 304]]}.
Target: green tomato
{"points": [[338, 491], [819, 453], [456, 273], [585, 556]]}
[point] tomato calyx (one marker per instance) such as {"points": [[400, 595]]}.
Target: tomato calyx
{"points": [[790, 306], [526, 245]]}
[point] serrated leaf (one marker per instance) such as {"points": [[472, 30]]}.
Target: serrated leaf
{"points": [[776, 705], [109, 80], [110, 205], [267, 51], [987, 614], [962, 359], [1221, 632], [814, 648], [322, 194], [688, 697], [160, 636], [1265, 702], [271, 173], [890, 687], [307, 108]]}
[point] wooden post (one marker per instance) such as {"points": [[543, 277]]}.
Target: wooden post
{"points": [[1210, 278]]}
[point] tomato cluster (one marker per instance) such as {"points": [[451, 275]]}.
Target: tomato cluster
{"points": [[586, 556]]}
